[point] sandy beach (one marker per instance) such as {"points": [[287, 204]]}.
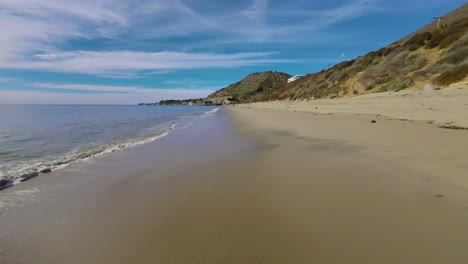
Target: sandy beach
{"points": [[233, 132], [279, 182], [443, 107], [356, 184]]}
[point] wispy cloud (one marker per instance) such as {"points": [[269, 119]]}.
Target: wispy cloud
{"points": [[257, 11], [348, 11], [35, 33], [32, 25], [123, 62], [97, 11]]}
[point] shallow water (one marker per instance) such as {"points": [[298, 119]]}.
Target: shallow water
{"points": [[35, 137]]}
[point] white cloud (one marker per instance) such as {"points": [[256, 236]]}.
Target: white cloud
{"points": [[257, 11], [89, 10], [123, 62], [35, 25], [33, 32], [348, 11]]}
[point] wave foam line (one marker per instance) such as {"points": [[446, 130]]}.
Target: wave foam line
{"points": [[20, 173]]}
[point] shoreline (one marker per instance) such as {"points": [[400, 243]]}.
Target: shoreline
{"points": [[71, 215], [252, 185], [17, 171]]}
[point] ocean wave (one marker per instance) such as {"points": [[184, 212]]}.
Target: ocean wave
{"points": [[212, 111], [15, 171], [12, 174]]}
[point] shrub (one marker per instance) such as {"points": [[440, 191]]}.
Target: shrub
{"points": [[322, 86], [418, 40], [452, 75], [456, 57], [396, 85], [399, 59], [457, 54], [450, 39], [383, 88], [386, 70], [340, 75], [443, 38], [369, 81], [327, 75], [367, 61], [414, 62], [380, 52], [390, 49], [343, 65], [432, 69]]}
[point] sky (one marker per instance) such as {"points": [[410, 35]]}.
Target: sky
{"points": [[127, 52]]}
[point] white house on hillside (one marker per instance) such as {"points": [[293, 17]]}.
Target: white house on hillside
{"points": [[292, 79]]}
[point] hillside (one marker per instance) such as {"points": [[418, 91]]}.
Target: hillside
{"points": [[251, 85], [429, 55]]}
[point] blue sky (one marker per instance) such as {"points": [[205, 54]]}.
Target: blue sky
{"points": [[125, 52]]}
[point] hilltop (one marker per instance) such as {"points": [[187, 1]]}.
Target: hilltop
{"points": [[437, 55], [252, 85]]}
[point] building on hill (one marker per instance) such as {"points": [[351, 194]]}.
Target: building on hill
{"points": [[219, 101], [294, 78]]}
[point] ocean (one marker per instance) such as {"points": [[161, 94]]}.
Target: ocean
{"points": [[37, 139]]}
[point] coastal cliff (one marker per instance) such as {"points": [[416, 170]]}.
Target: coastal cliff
{"points": [[436, 54]]}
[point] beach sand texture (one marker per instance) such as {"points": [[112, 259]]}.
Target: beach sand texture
{"points": [[353, 191], [293, 184], [444, 107]]}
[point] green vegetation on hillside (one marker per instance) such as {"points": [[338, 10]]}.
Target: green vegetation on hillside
{"points": [[452, 75], [251, 85], [437, 56], [429, 55]]}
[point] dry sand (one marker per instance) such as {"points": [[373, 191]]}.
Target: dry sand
{"points": [[296, 187], [448, 106], [352, 191]]}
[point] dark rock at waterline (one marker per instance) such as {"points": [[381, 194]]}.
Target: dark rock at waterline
{"points": [[4, 183], [47, 170], [28, 176]]}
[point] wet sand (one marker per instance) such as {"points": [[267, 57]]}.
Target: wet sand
{"points": [[163, 202], [277, 187]]}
